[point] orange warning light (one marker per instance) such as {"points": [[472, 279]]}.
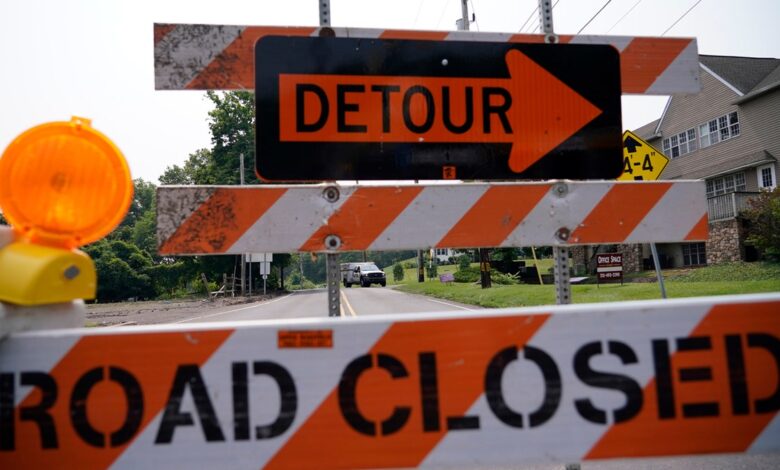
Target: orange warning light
{"points": [[64, 184]]}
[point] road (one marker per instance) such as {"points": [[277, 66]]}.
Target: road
{"points": [[356, 301]]}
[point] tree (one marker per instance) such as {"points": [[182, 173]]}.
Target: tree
{"points": [[464, 262], [398, 272], [121, 268], [232, 125], [763, 223], [198, 169]]}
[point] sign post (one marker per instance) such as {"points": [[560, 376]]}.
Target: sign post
{"points": [[642, 161]]}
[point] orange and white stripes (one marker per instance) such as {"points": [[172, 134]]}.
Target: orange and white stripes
{"points": [[277, 218], [503, 388], [200, 57]]}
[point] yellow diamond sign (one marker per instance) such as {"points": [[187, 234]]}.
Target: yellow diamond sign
{"points": [[641, 161]]}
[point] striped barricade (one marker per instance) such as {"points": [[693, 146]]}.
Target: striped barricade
{"points": [[500, 388], [206, 57], [318, 218]]}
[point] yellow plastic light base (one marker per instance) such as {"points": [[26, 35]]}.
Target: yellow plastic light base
{"points": [[36, 275]]}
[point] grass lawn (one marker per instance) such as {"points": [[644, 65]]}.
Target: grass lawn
{"points": [[735, 278]]}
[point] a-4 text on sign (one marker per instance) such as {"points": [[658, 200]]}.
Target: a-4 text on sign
{"points": [[345, 108]]}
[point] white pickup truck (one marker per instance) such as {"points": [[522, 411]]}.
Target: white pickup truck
{"points": [[364, 274]]}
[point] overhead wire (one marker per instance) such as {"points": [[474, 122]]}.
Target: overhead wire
{"points": [[594, 16], [529, 19], [474, 15], [624, 15], [443, 11], [419, 9], [680, 18]]}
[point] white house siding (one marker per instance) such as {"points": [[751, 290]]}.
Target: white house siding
{"points": [[764, 117], [688, 112]]}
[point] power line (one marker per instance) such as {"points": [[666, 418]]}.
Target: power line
{"points": [[443, 10], [594, 16], [626, 14], [680, 18], [419, 9], [529, 19], [474, 15]]}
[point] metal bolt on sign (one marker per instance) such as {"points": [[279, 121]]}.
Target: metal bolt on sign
{"points": [[561, 189], [562, 234], [331, 194]]}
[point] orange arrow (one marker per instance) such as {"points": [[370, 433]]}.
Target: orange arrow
{"points": [[532, 109]]}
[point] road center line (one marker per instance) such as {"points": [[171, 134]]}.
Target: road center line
{"points": [[349, 306]]}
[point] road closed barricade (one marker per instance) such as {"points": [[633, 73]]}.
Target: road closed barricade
{"points": [[509, 387]]}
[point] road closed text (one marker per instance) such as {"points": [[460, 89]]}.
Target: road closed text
{"points": [[738, 358]]}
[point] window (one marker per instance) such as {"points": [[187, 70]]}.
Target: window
{"points": [[720, 129], [766, 177], [726, 184], [680, 144], [694, 254]]}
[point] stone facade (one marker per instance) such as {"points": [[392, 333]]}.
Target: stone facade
{"points": [[632, 258], [725, 242]]}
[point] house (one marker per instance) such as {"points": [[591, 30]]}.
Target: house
{"points": [[444, 255], [729, 136]]}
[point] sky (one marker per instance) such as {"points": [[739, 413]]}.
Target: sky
{"points": [[94, 58]]}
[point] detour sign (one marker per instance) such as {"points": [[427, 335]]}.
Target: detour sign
{"points": [[550, 384], [340, 108]]}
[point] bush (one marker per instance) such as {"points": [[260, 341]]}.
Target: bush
{"points": [[467, 275], [464, 262], [763, 221], [398, 272], [504, 279], [432, 270]]}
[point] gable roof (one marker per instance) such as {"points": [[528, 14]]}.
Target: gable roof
{"points": [[743, 73], [751, 77]]}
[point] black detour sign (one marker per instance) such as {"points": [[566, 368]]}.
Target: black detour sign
{"points": [[347, 108]]}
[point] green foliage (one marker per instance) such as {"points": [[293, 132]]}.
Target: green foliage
{"points": [[143, 201], [232, 125], [763, 223], [198, 169], [468, 274], [503, 279], [431, 268], [398, 272], [118, 281], [505, 254], [526, 295], [464, 262]]}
